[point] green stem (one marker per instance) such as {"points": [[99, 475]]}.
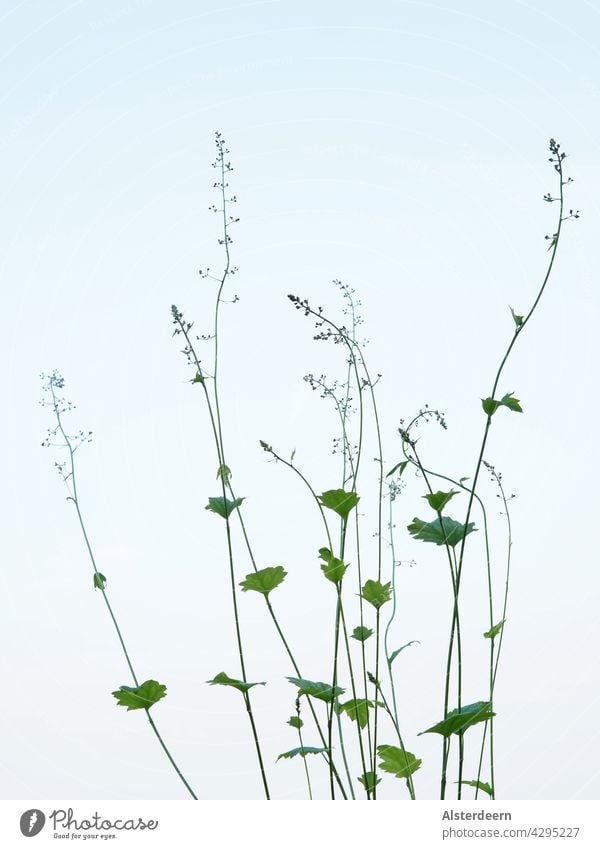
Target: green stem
{"points": [[75, 499], [386, 650]]}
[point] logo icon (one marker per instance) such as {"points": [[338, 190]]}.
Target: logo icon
{"points": [[32, 822]]}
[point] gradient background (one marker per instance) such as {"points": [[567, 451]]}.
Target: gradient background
{"points": [[399, 146]]}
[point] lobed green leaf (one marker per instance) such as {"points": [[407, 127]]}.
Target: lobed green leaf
{"points": [[142, 697], [317, 689], [303, 751], [369, 781], [511, 402], [481, 785], [224, 473], [357, 710], [376, 593], [438, 500], [361, 633], [490, 405], [264, 580], [462, 718], [224, 507], [340, 501], [397, 761], [444, 531], [226, 681]]}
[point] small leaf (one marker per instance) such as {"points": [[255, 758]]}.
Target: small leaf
{"points": [[226, 681], [339, 501], [511, 402], [438, 500], [334, 570], [459, 720], [144, 696], [224, 472], [361, 633], [518, 319], [395, 654], [376, 593], [99, 581], [399, 467], [264, 580], [317, 689], [357, 710], [444, 531], [493, 632], [479, 784], [489, 406], [223, 506], [295, 722], [303, 751], [399, 762], [199, 378], [369, 781]]}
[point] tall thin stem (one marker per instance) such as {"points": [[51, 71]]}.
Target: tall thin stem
{"points": [[54, 382]]}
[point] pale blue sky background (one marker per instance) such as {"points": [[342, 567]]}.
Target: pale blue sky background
{"points": [[399, 146]]}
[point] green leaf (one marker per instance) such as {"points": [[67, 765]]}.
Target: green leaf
{"points": [[493, 632], [518, 319], [264, 580], [395, 654], [399, 762], [223, 506], [444, 531], [224, 472], [339, 501], [295, 722], [438, 500], [334, 570], [361, 633], [226, 681], [369, 781], [459, 720], [144, 696], [511, 402], [357, 710], [317, 689], [376, 593], [479, 784], [99, 581], [399, 467], [490, 405], [303, 751], [199, 378]]}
